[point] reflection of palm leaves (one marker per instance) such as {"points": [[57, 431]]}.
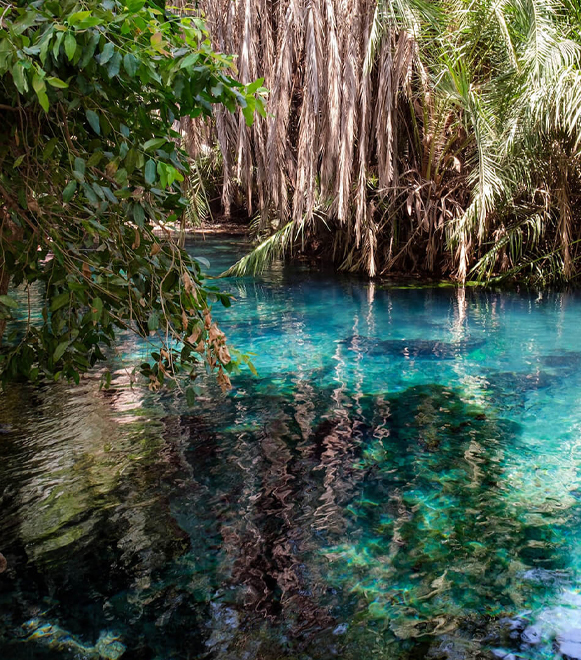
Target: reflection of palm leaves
{"points": [[432, 535]]}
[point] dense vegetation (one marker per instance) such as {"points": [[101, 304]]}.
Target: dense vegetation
{"points": [[437, 138], [91, 166], [429, 137]]}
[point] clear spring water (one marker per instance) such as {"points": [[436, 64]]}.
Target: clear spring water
{"points": [[401, 481]]}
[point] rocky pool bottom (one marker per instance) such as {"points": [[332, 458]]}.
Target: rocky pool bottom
{"points": [[401, 481]]}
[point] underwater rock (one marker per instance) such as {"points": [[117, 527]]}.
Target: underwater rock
{"points": [[413, 348], [567, 360], [514, 625], [511, 388], [503, 654], [546, 577], [108, 646], [448, 647], [225, 622], [514, 381], [531, 636], [3, 563], [569, 644]]}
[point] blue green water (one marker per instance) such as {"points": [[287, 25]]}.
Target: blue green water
{"points": [[402, 480]]}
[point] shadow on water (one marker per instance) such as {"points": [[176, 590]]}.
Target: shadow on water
{"points": [[413, 348]]}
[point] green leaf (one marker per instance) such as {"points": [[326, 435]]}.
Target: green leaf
{"points": [[162, 172], [60, 350], [168, 173], [69, 191], [59, 301], [49, 148], [109, 195], [130, 64], [95, 158], [79, 165], [79, 169], [153, 321], [139, 215], [96, 309], [57, 82], [7, 301], [44, 46], [89, 50], [114, 65], [254, 86], [57, 44], [92, 21], [38, 83], [154, 143], [190, 396], [203, 261], [107, 53], [70, 45], [43, 100], [189, 60], [90, 194], [150, 172], [248, 113], [135, 5], [93, 119], [19, 78], [78, 17], [106, 380]]}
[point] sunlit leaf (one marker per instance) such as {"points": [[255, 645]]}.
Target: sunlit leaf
{"points": [[56, 82]]}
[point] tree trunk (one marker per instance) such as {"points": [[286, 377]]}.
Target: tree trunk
{"points": [[8, 233]]}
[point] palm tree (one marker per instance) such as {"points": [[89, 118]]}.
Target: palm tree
{"points": [[436, 137]]}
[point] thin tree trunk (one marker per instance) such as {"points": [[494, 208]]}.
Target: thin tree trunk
{"points": [[7, 227]]}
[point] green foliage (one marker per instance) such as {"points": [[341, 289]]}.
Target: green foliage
{"points": [[90, 167]]}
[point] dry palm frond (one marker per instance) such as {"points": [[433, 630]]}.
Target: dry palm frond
{"points": [[348, 36], [304, 197], [422, 128]]}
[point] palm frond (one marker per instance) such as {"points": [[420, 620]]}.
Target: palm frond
{"points": [[272, 248]]}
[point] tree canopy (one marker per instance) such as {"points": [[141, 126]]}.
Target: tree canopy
{"points": [[91, 171]]}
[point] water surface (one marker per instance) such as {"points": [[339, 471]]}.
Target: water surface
{"points": [[402, 480]]}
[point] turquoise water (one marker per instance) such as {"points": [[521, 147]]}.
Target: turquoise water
{"points": [[402, 480]]}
